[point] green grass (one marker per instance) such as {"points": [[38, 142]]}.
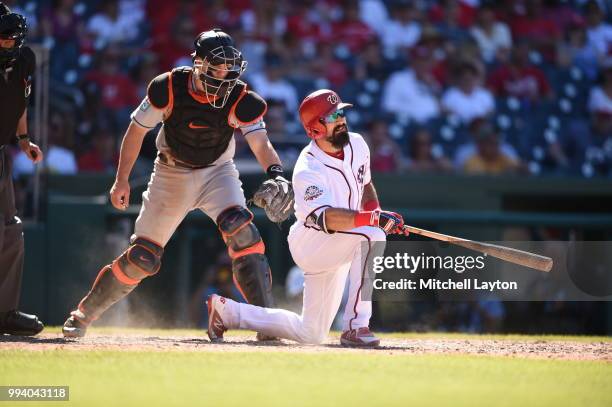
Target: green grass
{"points": [[246, 379]]}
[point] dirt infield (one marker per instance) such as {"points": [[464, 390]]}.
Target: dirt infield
{"points": [[537, 348]]}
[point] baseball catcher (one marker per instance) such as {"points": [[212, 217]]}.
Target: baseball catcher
{"points": [[201, 107]]}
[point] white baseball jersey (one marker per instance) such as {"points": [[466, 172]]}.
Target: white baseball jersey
{"points": [[321, 181]]}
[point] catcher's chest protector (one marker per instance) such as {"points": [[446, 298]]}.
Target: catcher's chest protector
{"points": [[197, 132]]}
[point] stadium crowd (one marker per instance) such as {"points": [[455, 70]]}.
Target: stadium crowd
{"points": [[474, 86]]}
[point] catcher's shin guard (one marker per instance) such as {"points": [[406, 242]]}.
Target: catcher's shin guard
{"points": [[115, 281], [250, 267]]}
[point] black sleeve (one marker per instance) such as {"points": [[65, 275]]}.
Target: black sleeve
{"points": [[250, 108], [29, 60], [159, 91]]}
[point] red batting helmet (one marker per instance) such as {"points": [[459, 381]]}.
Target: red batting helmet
{"points": [[316, 106]]}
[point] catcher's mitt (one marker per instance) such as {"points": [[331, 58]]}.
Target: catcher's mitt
{"points": [[276, 197]]}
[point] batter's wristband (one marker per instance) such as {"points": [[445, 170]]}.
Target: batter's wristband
{"points": [[371, 205], [366, 218], [274, 171], [23, 137]]}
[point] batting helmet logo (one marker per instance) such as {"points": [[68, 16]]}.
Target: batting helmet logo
{"points": [[316, 106]]}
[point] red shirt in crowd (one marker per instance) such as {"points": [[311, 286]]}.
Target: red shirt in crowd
{"points": [[526, 83], [92, 161], [354, 34], [383, 160], [300, 26], [117, 90]]}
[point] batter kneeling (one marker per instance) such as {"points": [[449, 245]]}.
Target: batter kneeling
{"points": [[338, 218]]}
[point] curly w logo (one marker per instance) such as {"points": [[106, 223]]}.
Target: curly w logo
{"points": [[333, 99]]}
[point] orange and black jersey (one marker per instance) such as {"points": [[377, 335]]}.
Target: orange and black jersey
{"points": [[197, 132]]}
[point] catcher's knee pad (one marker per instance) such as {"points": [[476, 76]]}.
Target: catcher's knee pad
{"points": [[142, 259], [115, 281], [253, 278], [239, 233]]}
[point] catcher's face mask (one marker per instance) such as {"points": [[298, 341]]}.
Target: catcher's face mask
{"points": [[219, 72]]}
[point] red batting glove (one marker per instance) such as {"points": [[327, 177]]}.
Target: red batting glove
{"points": [[390, 222]]}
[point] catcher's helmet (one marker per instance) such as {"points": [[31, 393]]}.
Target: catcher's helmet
{"points": [[218, 54], [315, 107]]}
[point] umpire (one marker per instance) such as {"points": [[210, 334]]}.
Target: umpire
{"points": [[16, 68]]}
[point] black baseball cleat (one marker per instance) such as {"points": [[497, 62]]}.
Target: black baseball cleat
{"points": [[73, 327], [18, 323]]}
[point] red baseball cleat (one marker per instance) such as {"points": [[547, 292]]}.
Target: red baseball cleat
{"points": [[359, 338], [216, 327]]}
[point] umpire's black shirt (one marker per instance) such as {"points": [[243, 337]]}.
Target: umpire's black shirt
{"points": [[14, 92]]}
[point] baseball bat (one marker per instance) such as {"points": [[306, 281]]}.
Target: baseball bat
{"points": [[527, 259]]}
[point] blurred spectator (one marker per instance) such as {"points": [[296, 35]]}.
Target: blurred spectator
{"points": [[62, 29], [562, 13], [519, 78], [576, 50], [449, 26], [370, 63], [327, 66], [271, 84], [102, 156], [493, 37], [386, 155], [305, 23], [489, 157], [465, 151], [531, 25], [600, 99], [117, 91], [468, 100], [598, 154], [421, 156], [599, 33], [177, 50], [290, 50], [464, 9], [276, 120], [265, 21], [60, 23], [403, 30], [413, 92], [374, 13], [59, 158], [108, 25], [175, 24], [144, 72], [350, 30]]}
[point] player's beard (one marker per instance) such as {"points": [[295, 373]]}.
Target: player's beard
{"points": [[339, 137]]}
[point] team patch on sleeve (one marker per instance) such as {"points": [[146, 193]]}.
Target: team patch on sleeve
{"points": [[312, 193], [145, 105]]}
